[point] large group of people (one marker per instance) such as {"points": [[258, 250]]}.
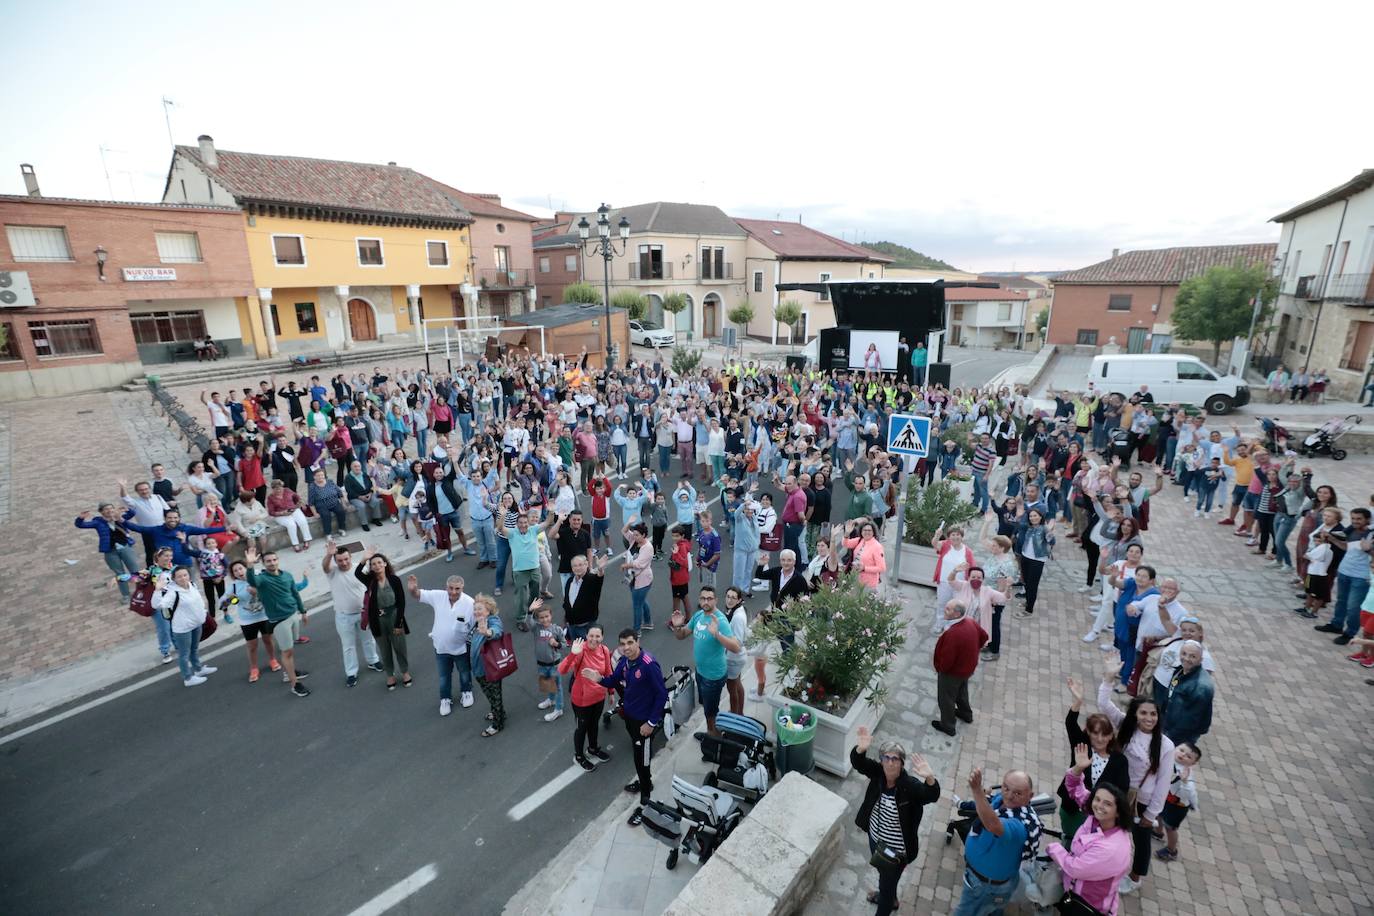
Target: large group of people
{"points": [[526, 463]]}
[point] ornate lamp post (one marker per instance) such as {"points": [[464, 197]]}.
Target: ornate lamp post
{"points": [[605, 246]]}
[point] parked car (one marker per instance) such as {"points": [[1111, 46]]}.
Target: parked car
{"points": [[648, 334], [1171, 377]]}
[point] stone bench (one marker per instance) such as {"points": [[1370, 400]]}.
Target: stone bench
{"points": [[770, 864]]}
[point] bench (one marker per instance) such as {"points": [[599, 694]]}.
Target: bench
{"points": [[182, 350]]}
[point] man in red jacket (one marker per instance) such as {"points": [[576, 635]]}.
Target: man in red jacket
{"points": [[956, 658]]}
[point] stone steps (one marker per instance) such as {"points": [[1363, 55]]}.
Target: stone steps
{"points": [[330, 360]]}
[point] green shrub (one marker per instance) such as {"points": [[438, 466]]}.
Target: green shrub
{"points": [[928, 507], [685, 360], [582, 292]]}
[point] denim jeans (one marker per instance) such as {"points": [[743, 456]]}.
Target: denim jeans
{"points": [[619, 451], [980, 898], [188, 650], [980, 497], [121, 560], [1066, 499], [360, 453], [1170, 449], [639, 598], [465, 424], [350, 631], [329, 518], [446, 665], [1350, 594], [557, 695], [665, 454], [646, 449], [1283, 526], [361, 506], [791, 539], [502, 561], [163, 626], [484, 531], [1206, 492], [422, 442]]}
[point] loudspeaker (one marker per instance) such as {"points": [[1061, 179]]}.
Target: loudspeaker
{"points": [[938, 374], [834, 349], [796, 361]]}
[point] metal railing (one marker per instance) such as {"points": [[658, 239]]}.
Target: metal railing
{"points": [[726, 271], [188, 427], [663, 271], [511, 278], [1309, 287], [1355, 289]]}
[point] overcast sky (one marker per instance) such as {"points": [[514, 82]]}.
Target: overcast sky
{"points": [[994, 136]]}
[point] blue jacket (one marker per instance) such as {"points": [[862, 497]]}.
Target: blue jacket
{"points": [[1187, 709], [640, 683], [102, 528], [162, 536]]}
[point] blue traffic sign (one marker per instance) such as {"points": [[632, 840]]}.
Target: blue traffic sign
{"points": [[908, 434]]}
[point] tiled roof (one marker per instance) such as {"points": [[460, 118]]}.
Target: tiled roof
{"points": [[485, 204], [565, 240], [331, 184], [87, 202], [1169, 266], [978, 294], [672, 218], [794, 240], [1013, 281], [1352, 187]]}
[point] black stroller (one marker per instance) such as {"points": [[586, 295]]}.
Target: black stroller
{"points": [[744, 755], [708, 814], [966, 813]]}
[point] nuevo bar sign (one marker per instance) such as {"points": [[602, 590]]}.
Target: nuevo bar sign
{"points": [[149, 273]]}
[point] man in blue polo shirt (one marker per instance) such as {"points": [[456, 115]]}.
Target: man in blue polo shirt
{"points": [[993, 849], [711, 637]]}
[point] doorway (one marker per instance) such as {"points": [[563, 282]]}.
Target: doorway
{"points": [[1135, 340], [710, 320], [361, 321]]}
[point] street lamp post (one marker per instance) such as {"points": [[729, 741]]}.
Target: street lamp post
{"points": [[605, 246]]}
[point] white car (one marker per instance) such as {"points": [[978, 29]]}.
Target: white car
{"points": [[648, 334]]}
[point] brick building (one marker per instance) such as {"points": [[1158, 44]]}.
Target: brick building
{"points": [[557, 258], [97, 289], [1128, 298]]}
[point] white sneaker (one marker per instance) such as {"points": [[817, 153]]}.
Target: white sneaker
{"points": [[1090, 637], [1106, 646], [1127, 886], [445, 707], [194, 680], [1197, 513], [1084, 589], [467, 700], [552, 716], [203, 670], [167, 659], [545, 703]]}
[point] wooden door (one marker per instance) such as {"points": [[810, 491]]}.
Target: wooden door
{"points": [[708, 320], [361, 320]]}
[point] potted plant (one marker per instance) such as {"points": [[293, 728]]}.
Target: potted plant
{"points": [[846, 639], [926, 509]]}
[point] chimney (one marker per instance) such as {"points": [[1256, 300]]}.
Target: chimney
{"points": [[1116, 251], [207, 151], [30, 180], [391, 163]]}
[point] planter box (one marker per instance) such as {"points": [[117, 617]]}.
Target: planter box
{"points": [[918, 565], [834, 735]]}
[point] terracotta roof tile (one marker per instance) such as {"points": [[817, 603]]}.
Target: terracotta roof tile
{"points": [[1169, 266], [485, 204], [978, 294], [794, 240]]}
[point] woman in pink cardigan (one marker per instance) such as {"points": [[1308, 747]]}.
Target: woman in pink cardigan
{"points": [[1100, 855], [870, 562]]}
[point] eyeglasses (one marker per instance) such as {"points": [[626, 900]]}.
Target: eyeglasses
{"points": [[891, 758]]}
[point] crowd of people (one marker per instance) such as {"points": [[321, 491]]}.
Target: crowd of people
{"points": [[526, 463]]}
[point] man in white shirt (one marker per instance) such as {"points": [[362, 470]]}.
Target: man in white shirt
{"points": [[1159, 615], [348, 594], [452, 622], [149, 510], [220, 417]]}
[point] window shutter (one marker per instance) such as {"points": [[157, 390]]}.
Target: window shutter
{"points": [[178, 247], [39, 243]]}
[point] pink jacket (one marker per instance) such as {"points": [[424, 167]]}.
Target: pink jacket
{"points": [[1099, 858], [869, 560], [962, 592]]}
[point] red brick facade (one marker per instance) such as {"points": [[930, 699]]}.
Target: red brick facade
{"points": [[1083, 309], [72, 290], [549, 286]]}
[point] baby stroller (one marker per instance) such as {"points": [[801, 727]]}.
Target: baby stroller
{"points": [[1275, 436], [709, 815], [1323, 441], [744, 754], [966, 813]]}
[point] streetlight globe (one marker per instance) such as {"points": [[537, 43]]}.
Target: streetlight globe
{"points": [[624, 228], [584, 229]]}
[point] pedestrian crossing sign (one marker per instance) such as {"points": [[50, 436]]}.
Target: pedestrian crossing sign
{"points": [[908, 434]]}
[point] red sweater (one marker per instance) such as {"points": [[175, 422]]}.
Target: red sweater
{"points": [[956, 651]]}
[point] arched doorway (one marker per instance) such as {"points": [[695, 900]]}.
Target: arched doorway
{"points": [[655, 311], [710, 316], [684, 321], [362, 321]]}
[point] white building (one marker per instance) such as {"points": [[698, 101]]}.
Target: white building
{"points": [[978, 317], [1324, 315]]}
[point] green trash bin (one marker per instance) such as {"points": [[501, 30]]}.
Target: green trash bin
{"points": [[794, 744]]}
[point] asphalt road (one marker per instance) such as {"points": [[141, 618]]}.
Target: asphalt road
{"points": [[239, 798]]}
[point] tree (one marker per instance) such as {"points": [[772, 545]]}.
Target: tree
{"points": [[741, 315], [582, 292], [673, 303], [1042, 321], [636, 304], [788, 312], [685, 360], [5, 341], [1218, 305]]}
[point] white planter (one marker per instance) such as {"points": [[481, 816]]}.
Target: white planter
{"points": [[834, 735], [918, 565]]}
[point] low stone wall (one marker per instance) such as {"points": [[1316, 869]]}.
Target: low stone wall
{"points": [[770, 864]]}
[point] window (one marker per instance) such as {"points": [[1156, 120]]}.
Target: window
{"points": [[178, 247], [824, 295], [167, 327], [650, 262], [570, 263], [437, 253], [1358, 341], [289, 250], [306, 321], [9, 348], [39, 243], [1119, 302], [1004, 311], [543, 265], [502, 257], [713, 263], [1087, 338], [1190, 371], [53, 339], [276, 320], [758, 281], [370, 253]]}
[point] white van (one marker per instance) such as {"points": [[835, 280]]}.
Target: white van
{"points": [[1171, 377]]}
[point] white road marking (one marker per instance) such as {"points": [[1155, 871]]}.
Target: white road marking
{"points": [[397, 892], [548, 791]]}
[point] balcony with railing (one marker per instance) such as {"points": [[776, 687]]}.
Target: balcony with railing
{"points": [[649, 270], [1309, 287], [718, 271], [1351, 289], [510, 278]]}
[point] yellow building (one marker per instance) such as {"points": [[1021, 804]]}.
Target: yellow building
{"points": [[341, 252]]}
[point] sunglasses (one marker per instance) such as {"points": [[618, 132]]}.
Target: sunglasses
{"points": [[891, 758]]}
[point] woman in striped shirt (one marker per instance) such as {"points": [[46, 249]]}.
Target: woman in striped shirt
{"points": [[891, 811]]}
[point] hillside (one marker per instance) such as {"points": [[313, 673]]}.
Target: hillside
{"points": [[906, 257]]}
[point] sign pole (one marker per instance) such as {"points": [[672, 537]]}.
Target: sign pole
{"points": [[908, 435], [909, 464]]}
